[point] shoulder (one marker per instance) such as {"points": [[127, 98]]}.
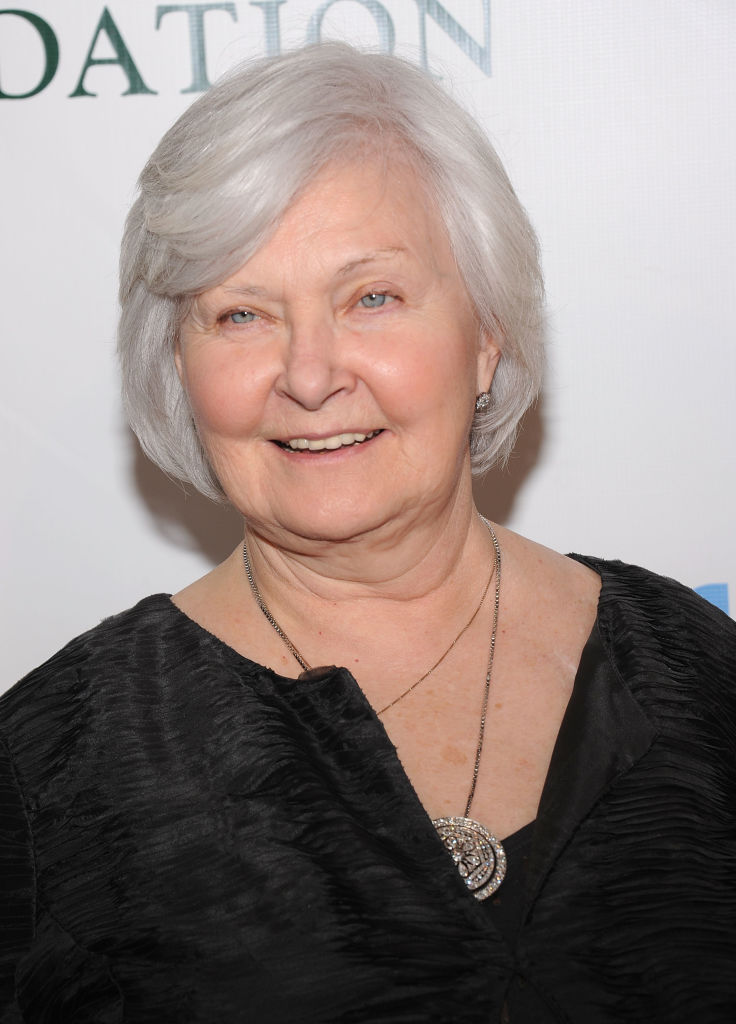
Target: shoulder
{"points": [[95, 678], [675, 650], [659, 603], [105, 649], [48, 723], [132, 676], [111, 718]]}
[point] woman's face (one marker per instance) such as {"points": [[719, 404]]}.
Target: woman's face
{"points": [[333, 377]]}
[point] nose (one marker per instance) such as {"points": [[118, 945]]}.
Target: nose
{"points": [[312, 371]]}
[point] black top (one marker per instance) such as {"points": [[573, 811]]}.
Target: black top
{"points": [[506, 907], [186, 836]]}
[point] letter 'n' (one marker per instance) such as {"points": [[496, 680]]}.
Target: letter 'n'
{"points": [[480, 55]]}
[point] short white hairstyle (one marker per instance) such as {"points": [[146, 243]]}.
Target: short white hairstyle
{"points": [[220, 179]]}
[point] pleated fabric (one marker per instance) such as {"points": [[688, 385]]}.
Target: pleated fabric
{"points": [[187, 836]]}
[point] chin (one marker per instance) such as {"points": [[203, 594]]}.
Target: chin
{"points": [[332, 520], [333, 525]]}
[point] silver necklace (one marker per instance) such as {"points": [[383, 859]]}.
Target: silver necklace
{"points": [[299, 657], [479, 857]]}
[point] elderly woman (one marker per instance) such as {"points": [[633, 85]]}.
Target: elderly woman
{"points": [[514, 799]]}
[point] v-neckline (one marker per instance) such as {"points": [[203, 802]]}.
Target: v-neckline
{"points": [[602, 733]]}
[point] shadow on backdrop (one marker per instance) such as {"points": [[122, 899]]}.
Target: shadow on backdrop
{"points": [[496, 493], [186, 519]]}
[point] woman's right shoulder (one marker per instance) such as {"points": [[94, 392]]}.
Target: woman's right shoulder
{"points": [[68, 731], [76, 717], [131, 641]]}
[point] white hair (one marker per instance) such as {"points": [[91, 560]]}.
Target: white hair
{"points": [[222, 176]]}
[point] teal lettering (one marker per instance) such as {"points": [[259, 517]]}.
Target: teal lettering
{"points": [[136, 85], [196, 13], [271, 27], [386, 33], [480, 55], [51, 51]]}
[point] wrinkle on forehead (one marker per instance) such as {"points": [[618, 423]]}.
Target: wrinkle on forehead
{"points": [[326, 207]]}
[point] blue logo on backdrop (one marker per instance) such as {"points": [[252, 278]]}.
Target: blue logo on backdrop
{"points": [[105, 36], [716, 593]]}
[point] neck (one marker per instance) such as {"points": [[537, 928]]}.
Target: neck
{"points": [[395, 562]]}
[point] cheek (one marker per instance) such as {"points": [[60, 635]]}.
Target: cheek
{"points": [[435, 377], [224, 394]]}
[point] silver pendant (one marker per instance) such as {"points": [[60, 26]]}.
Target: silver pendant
{"points": [[479, 857]]}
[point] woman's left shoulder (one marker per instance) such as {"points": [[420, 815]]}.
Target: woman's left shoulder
{"points": [[675, 651], [652, 626], [661, 600]]}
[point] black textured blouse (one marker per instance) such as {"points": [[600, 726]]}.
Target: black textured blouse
{"points": [[186, 836]]}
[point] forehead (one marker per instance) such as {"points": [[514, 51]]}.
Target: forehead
{"points": [[376, 204]]}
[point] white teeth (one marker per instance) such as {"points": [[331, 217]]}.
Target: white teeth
{"points": [[329, 443]]}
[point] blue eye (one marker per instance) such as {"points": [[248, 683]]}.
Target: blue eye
{"points": [[243, 316], [374, 300]]}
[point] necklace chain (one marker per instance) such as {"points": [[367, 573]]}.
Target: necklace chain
{"points": [[495, 570], [442, 657], [478, 855], [266, 611], [489, 667], [299, 657]]}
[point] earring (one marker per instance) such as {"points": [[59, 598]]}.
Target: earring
{"points": [[483, 401]]}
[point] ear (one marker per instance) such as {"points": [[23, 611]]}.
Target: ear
{"points": [[178, 361], [489, 353]]}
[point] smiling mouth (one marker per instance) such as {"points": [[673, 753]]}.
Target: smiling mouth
{"points": [[330, 444]]}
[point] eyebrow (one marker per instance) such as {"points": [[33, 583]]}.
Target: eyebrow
{"points": [[372, 257], [244, 289]]}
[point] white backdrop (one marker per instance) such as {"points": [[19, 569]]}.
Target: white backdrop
{"points": [[616, 122]]}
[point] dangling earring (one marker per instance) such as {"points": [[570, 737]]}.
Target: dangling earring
{"points": [[483, 401]]}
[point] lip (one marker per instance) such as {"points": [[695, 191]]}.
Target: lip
{"points": [[360, 438], [313, 436]]}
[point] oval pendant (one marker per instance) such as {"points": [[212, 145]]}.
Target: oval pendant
{"points": [[479, 857]]}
